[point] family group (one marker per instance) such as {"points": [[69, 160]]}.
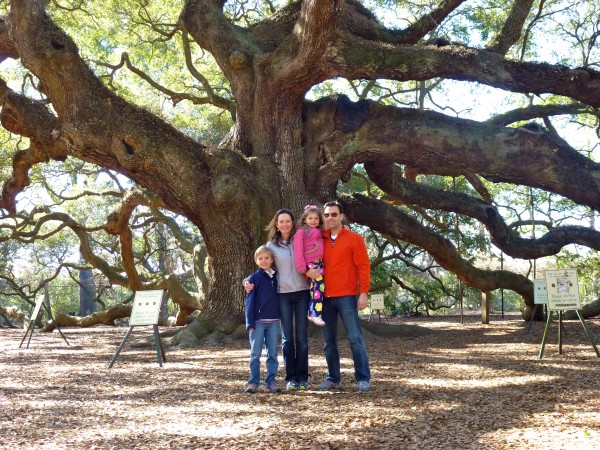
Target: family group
{"points": [[315, 270]]}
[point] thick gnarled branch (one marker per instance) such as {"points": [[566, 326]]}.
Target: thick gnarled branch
{"points": [[389, 220], [389, 178], [513, 26], [347, 133]]}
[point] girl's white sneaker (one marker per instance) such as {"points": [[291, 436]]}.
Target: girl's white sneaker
{"points": [[317, 321]]}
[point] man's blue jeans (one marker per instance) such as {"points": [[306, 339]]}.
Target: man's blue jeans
{"points": [[345, 307], [267, 335], [294, 310]]}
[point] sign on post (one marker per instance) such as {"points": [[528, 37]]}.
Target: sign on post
{"points": [[563, 294], [539, 294], [146, 308], [38, 307], [145, 311], [377, 302], [562, 290], [34, 315]]}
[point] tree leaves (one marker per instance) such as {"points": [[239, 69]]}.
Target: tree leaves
{"points": [[459, 386]]}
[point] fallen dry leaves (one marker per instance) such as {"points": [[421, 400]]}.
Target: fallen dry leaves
{"points": [[454, 386]]}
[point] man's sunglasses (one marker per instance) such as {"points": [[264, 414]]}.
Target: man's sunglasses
{"points": [[326, 215]]}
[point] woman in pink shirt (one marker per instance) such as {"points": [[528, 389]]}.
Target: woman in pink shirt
{"points": [[308, 253]]}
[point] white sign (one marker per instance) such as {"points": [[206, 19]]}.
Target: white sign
{"points": [[377, 302], [562, 289], [146, 308], [38, 306], [539, 293]]}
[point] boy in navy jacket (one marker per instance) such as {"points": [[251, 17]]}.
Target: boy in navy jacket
{"points": [[262, 320]]}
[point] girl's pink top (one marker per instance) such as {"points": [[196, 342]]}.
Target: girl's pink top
{"points": [[307, 248]]}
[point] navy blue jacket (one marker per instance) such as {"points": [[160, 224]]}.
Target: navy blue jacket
{"points": [[263, 301]]}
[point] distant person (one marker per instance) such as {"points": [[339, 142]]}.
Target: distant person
{"points": [[308, 253], [347, 282], [262, 320], [293, 298]]}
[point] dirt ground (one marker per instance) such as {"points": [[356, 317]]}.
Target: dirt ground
{"points": [[456, 386]]}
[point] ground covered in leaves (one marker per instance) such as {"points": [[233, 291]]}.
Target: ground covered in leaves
{"points": [[450, 386]]}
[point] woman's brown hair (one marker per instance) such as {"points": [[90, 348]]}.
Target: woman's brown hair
{"points": [[274, 234]]}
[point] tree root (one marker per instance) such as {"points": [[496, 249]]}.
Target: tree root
{"points": [[13, 311]]}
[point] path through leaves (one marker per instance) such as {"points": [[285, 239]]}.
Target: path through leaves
{"points": [[459, 386]]}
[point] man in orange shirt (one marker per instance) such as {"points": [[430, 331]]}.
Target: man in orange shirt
{"points": [[347, 280]]}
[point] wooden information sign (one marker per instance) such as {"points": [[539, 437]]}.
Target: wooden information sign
{"points": [[38, 307], [146, 308], [562, 289], [539, 294], [34, 315], [540, 297], [377, 304], [145, 311]]}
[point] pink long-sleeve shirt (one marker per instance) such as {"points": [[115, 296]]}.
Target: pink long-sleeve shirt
{"points": [[307, 248]]}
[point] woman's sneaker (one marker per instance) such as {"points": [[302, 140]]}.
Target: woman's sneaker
{"points": [[272, 387], [303, 386], [329, 385], [364, 386], [291, 386], [251, 388], [317, 321]]}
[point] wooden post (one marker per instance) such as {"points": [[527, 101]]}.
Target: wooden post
{"points": [[485, 307]]}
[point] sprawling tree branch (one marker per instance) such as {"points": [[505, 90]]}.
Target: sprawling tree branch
{"points": [[387, 219], [427, 23], [539, 111], [389, 178], [283, 151], [96, 125], [8, 49], [513, 26], [349, 133]]}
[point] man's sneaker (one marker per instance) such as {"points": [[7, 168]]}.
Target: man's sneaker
{"points": [[363, 386], [272, 387], [303, 386], [291, 386], [251, 388], [317, 321], [328, 385]]}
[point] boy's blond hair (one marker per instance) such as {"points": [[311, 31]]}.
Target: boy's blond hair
{"points": [[262, 249]]}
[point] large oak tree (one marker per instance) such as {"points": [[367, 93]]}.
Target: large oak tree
{"points": [[285, 150]]}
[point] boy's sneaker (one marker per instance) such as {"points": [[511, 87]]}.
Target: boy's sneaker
{"points": [[251, 388], [303, 386], [291, 386], [272, 387], [329, 385], [363, 386], [317, 321]]}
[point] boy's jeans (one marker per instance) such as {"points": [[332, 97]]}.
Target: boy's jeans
{"points": [[264, 334]]}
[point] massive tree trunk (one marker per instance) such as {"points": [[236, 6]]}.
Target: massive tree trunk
{"points": [[285, 151]]}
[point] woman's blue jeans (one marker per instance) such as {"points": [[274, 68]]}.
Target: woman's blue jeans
{"points": [[345, 307], [294, 311], [264, 334]]}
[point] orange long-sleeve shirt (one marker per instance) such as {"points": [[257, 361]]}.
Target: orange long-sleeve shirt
{"points": [[347, 265]]}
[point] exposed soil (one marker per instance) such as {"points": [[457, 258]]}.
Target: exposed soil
{"points": [[458, 386]]}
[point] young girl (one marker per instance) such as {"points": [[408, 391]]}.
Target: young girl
{"points": [[308, 253]]}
